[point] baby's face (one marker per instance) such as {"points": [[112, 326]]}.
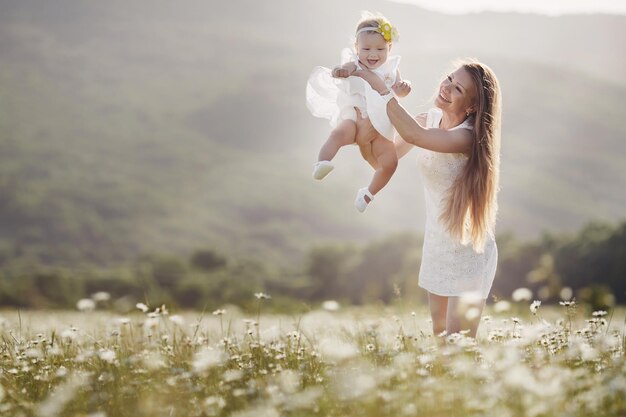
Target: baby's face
{"points": [[372, 49]]}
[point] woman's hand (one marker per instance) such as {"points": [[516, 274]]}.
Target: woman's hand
{"points": [[373, 80]]}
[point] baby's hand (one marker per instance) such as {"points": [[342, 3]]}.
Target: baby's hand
{"points": [[402, 88], [339, 72], [344, 71]]}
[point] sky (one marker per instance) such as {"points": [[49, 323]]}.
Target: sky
{"points": [[547, 7]]}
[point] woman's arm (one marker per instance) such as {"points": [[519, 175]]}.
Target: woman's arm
{"points": [[402, 146], [438, 140]]}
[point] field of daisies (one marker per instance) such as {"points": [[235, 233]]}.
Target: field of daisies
{"points": [[527, 360]]}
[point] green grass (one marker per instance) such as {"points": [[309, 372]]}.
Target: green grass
{"points": [[370, 361]]}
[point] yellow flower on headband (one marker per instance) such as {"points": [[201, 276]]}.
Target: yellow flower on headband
{"points": [[389, 32]]}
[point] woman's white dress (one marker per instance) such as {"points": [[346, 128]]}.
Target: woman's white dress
{"points": [[335, 98], [448, 267]]}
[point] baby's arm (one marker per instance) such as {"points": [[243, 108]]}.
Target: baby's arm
{"points": [[345, 70], [401, 88]]}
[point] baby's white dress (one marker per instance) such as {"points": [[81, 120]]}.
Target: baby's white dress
{"points": [[448, 267], [335, 98]]}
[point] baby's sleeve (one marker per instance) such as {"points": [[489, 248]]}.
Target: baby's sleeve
{"points": [[393, 63], [347, 55]]}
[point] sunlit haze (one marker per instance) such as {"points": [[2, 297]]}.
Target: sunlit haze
{"points": [[550, 7]]}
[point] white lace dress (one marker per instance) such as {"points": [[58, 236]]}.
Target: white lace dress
{"points": [[335, 98], [449, 268]]}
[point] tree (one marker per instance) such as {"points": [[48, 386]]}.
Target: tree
{"points": [[207, 260]]}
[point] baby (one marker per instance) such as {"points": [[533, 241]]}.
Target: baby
{"points": [[336, 95]]}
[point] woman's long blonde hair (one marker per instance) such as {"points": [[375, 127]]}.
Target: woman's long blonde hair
{"points": [[471, 203]]}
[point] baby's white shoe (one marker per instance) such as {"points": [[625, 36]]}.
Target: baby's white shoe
{"points": [[321, 169], [361, 203]]}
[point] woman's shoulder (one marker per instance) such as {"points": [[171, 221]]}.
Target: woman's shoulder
{"points": [[421, 118], [434, 111], [433, 117]]}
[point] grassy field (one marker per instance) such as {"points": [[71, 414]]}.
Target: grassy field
{"points": [[331, 361]]}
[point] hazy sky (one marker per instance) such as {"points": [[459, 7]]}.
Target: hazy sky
{"points": [[549, 7]]}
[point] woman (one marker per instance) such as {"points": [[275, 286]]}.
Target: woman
{"points": [[459, 158]]}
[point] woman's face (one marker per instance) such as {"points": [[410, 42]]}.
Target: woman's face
{"points": [[457, 93]]}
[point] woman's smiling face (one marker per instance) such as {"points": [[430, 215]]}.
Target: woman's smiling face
{"points": [[457, 93], [372, 49]]}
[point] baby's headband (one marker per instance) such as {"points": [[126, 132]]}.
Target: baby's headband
{"points": [[389, 32]]}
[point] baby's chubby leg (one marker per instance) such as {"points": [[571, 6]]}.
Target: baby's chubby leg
{"points": [[342, 135], [365, 135], [365, 146], [384, 152], [368, 155]]}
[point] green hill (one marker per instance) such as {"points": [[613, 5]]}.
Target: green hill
{"points": [[143, 126]]}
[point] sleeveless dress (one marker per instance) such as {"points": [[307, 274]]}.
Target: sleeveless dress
{"points": [[335, 98], [449, 268]]}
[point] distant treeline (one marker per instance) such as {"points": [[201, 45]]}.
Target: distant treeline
{"points": [[591, 263]]}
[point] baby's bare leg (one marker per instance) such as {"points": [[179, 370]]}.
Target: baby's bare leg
{"points": [[365, 134], [368, 154], [385, 154], [342, 135]]}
